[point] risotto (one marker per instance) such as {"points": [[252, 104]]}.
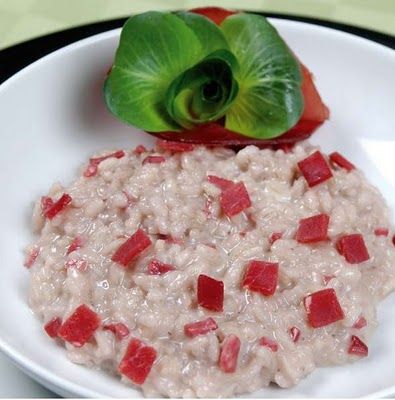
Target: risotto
{"points": [[197, 272]]}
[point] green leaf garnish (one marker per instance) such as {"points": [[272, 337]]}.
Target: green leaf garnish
{"points": [[175, 71], [270, 99]]}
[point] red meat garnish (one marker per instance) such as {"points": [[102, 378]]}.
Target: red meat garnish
{"points": [[234, 199], [261, 277], [340, 161], [216, 14], [51, 209], [323, 308], [221, 183], [358, 347], [275, 236], [137, 362], [315, 169], [294, 332], [156, 267], [210, 293], [175, 147], [353, 248], [52, 327], [360, 323], [229, 353], [119, 329], [129, 250], [154, 160], [200, 327], [31, 257], [269, 343], [381, 232], [313, 229], [80, 326], [76, 244], [140, 149], [91, 170]]}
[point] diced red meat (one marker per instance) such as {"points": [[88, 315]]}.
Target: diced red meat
{"points": [[119, 329], [313, 229], [91, 170], [234, 199], [200, 327], [140, 149], [269, 343], [229, 354], [261, 277], [80, 265], [210, 293], [80, 326], [129, 250], [353, 249], [154, 160], [323, 308], [340, 161], [221, 183], [294, 332], [315, 169], [216, 14], [360, 323], [156, 267], [275, 236], [381, 231], [51, 210], [137, 362], [52, 327], [46, 204], [76, 244], [31, 257], [175, 147], [358, 347]]}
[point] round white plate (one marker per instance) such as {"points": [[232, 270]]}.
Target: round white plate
{"points": [[52, 117]]}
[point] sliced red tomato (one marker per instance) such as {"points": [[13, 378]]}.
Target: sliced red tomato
{"points": [[314, 114]]}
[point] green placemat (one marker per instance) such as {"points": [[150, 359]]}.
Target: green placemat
{"points": [[25, 19]]}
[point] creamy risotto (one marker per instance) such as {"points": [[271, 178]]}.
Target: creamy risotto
{"points": [[190, 271]]}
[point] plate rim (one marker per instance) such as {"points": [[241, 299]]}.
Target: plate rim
{"points": [[43, 375]]}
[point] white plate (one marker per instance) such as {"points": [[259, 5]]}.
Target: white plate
{"points": [[53, 117]]}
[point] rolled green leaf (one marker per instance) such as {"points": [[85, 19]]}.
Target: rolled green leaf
{"points": [[204, 92], [156, 48], [270, 100]]}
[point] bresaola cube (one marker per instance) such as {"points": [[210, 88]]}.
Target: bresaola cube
{"points": [[50, 208], [313, 229], [261, 277], [137, 362], [52, 327], [357, 347], [200, 327], [221, 183], [234, 199], [337, 159], [271, 344], [323, 308], [353, 249], [156, 267], [119, 329], [210, 293], [229, 354], [315, 169], [80, 326]]}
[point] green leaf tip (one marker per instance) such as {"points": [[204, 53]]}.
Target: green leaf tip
{"points": [[175, 71]]}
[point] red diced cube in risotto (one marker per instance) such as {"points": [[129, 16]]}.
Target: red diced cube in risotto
{"points": [[76, 244], [129, 250], [353, 248], [200, 327], [323, 308], [235, 199], [313, 229], [175, 147], [340, 161], [294, 332], [31, 257], [315, 169], [119, 329], [137, 362], [52, 327], [275, 236], [358, 347], [80, 326], [229, 354], [140, 149], [381, 231], [269, 343], [92, 168], [261, 277], [210, 293], [154, 160], [156, 267], [221, 183], [50, 211], [360, 323], [46, 204]]}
